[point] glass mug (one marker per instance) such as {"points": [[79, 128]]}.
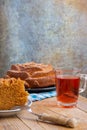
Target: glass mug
{"points": [[69, 83]]}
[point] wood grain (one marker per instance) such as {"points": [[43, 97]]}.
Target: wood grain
{"points": [[12, 123], [26, 121], [50, 107]]}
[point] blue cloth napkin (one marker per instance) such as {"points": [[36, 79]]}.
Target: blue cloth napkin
{"points": [[42, 95]]}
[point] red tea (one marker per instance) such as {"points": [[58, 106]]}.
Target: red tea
{"points": [[67, 88]]}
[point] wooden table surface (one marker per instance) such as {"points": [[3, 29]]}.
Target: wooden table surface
{"points": [[26, 121]]}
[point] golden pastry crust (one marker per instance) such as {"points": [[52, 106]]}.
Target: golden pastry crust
{"points": [[41, 81], [34, 74], [18, 74], [12, 93]]}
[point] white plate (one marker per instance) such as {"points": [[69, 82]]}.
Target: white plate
{"points": [[15, 110]]}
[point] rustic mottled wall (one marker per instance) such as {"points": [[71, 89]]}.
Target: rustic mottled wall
{"points": [[48, 31]]}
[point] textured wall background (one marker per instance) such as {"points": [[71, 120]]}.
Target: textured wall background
{"points": [[48, 31]]}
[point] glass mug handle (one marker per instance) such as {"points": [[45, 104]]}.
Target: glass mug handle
{"points": [[83, 83]]}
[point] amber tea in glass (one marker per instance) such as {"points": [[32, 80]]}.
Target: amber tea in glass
{"points": [[68, 83]]}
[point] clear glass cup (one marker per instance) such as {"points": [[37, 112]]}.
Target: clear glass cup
{"points": [[69, 83]]}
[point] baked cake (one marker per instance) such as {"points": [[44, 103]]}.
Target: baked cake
{"points": [[12, 93], [34, 74]]}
